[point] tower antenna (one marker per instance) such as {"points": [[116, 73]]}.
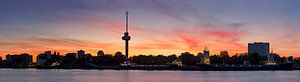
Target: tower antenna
{"points": [[126, 21]]}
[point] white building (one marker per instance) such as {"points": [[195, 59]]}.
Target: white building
{"points": [[271, 59], [205, 59]]}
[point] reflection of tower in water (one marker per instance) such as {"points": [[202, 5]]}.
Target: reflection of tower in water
{"points": [[126, 37]]}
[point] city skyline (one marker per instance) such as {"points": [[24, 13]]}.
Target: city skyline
{"points": [[158, 27]]}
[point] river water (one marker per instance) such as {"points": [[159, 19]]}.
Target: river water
{"points": [[77, 75]]}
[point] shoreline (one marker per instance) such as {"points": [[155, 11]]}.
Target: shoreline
{"points": [[188, 68]]}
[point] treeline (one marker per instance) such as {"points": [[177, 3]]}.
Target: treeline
{"points": [[103, 59], [244, 58], [191, 59], [153, 60], [186, 59]]}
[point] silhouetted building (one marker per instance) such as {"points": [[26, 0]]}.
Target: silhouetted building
{"points": [[0, 58], [71, 56], [290, 59], [48, 59], [20, 60], [42, 58], [223, 53], [48, 54], [80, 54], [260, 48], [69, 59], [205, 59], [56, 53]]}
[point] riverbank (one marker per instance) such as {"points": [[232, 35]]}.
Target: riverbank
{"points": [[162, 68]]}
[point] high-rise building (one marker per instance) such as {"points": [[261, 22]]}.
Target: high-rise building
{"points": [[261, 48], [205, 59]]}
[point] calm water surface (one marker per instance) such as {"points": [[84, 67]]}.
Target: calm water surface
{"points": [[67, 75]]}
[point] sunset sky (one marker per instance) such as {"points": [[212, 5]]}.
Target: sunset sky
{"points": [[156, 26]]}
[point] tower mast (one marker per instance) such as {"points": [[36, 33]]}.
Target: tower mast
{"points": [[126, 21], [126, 37]]}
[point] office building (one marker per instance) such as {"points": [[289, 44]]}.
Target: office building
{"points": [[22, 59], [261, 48]]}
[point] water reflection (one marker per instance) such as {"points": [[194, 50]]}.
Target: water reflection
{"points": [[61, 75]]}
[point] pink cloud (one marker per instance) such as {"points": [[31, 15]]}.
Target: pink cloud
{"points": [[190, 41]]}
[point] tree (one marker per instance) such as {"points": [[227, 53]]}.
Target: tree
{"points": [[215, 59], [254, 58], [144, 60], [235, 60], [172, 58], [100, 53], [119, 58], [278, 59], [225, 59], [160, 59], [188, 58], [243, 58]]}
